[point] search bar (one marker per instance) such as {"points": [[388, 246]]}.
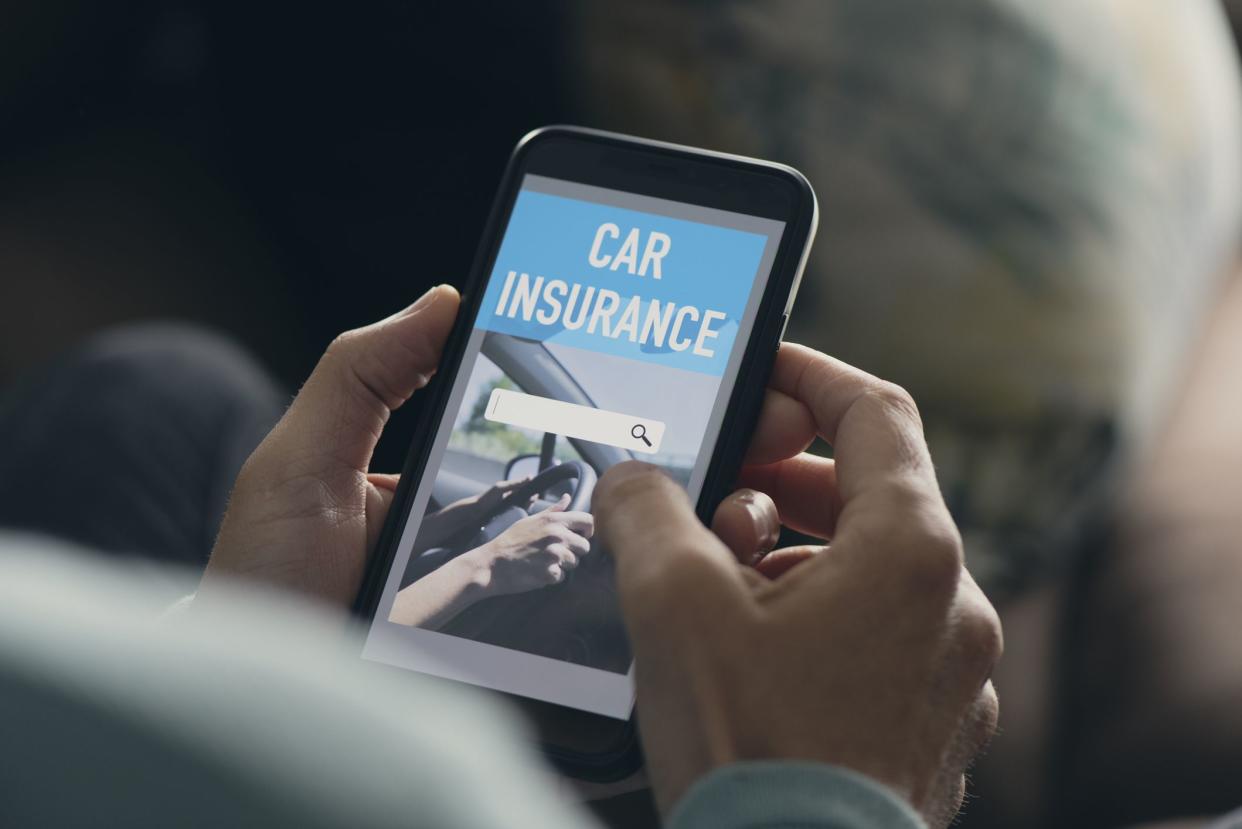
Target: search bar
{"points": [[544, 414]]}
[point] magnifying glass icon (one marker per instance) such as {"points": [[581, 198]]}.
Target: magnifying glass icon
{"points": [[639, 432]]}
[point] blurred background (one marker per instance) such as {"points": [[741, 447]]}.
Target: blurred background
{"points": [[250, 168], [1030, 217]]}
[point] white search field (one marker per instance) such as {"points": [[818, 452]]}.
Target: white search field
{"points": [[544, 414]]}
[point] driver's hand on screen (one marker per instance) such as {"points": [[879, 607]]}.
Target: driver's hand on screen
{"points": [[439, 527], [305, 511], [490, 499], [872, 651], [535, 551], [502, 492]]}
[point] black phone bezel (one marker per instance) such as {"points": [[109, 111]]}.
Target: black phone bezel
{"points": [[607, 748]]}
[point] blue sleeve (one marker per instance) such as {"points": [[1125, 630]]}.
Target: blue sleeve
{"points": [[790, 796]]}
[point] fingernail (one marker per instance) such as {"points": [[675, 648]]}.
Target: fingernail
{"points": [[760, 516]]}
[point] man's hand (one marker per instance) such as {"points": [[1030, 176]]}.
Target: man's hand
{"points": [[872, 651], [304, 511]]}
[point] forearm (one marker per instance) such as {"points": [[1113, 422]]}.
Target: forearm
{"points": [[440, 595], [439, 527]]}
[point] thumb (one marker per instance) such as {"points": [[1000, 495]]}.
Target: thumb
{"points": [[561, 504], [338, 415]]}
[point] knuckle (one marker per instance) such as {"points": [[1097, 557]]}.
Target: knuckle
{"points": [[940, 561], [930, 552], [365, 372], [984, 718], [989, 709], [980, 636], [343, 343], [893, 398]]}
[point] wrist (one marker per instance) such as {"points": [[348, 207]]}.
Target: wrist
{"points": [[476, 570]]}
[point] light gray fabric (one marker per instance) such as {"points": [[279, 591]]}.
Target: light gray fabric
{"points": [[254, 713], [257, 711], [791, 796], [1233, 820]]}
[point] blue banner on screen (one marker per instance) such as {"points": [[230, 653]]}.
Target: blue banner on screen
{"points": [[647, 287]]}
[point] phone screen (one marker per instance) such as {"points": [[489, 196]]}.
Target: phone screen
{"points": [[611, 328]]}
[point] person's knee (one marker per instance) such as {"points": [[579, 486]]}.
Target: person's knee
{"points": [[142, 430], [154, 359]]}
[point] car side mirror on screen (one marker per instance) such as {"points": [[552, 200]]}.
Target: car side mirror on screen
{"points": [[523, 466]]}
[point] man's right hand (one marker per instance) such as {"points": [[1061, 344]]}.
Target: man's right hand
{"points": [[872, 651]]}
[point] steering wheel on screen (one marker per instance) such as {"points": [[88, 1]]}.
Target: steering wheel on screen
{"points": [[505, 514], [580, 473]]}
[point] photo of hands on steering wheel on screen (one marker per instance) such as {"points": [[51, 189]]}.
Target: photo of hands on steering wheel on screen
{"points": [[505, 552], [536, 550]]}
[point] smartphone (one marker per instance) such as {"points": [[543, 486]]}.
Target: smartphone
{"points": [[627, 302]]}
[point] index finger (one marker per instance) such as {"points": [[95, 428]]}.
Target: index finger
{"points": [[873, 425], [648, 524], [580, 522]]}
